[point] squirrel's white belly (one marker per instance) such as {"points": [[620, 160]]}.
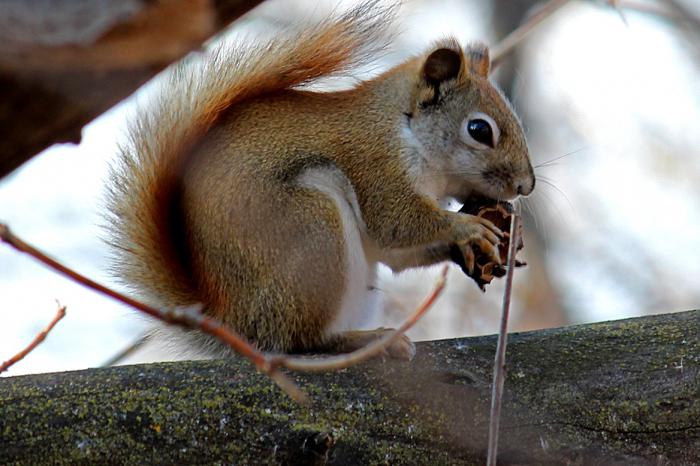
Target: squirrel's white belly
{"points": [[360, 301]]}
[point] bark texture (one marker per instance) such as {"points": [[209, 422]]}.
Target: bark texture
{"points": [[64, 62], [624, 392]]}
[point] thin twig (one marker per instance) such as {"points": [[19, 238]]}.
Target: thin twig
{"points": [[188, 317], [343, 361], [192, 317], [508, 43], [37, 340], [499, 368]]}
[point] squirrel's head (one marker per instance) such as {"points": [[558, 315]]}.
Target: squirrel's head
{"points": [[466, 128]]}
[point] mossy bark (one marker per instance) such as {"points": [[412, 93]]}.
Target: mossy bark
{"points": [[624, 392]]}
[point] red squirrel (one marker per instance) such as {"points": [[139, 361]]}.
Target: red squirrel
{"points": [[271, 205]]}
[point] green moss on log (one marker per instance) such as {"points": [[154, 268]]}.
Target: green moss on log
{"points": [[625, 392]]}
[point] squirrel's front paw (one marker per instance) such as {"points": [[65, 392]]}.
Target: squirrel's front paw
{"points": [[478, 236]]}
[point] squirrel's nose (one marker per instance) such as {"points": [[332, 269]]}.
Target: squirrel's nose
{"points": [[526, 186]]}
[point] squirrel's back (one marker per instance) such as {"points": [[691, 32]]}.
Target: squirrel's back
{"points": [[145, 220]]}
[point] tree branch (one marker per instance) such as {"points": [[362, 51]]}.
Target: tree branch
{"points": [[613, 393], [41, 336]]}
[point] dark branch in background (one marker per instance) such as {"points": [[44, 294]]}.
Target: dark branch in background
{"points": [[63, 65], [41, 336], [689, 23], [613, 394], [685, 15], [674, 12], [512, 40], [192, 317], [681, 16]]}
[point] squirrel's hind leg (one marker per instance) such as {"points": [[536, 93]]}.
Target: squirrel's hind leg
{"points": [[346, 342]]}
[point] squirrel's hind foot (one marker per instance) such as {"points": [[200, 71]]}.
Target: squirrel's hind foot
{"points": [[402, 348]]}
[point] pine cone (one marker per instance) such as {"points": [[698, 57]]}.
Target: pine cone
{"points": [[500, 214]]}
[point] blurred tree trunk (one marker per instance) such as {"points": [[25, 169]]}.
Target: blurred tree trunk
{"points": [[616, 393]]}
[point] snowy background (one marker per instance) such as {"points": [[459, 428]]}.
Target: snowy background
{"points": [[617, 236]]}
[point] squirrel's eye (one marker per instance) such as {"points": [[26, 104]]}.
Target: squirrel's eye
{"points": [[480, 131]]}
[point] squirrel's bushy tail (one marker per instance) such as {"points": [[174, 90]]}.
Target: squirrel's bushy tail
{"points": [[144, 221]]}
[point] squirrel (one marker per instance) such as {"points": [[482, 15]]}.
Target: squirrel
{"points": [[271, 204]]}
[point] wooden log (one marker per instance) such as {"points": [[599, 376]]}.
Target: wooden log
{"points": [[64, 62], [624, 392]]}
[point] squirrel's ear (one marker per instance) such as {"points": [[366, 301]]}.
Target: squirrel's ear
{"points": [[441, 65], [478, 61], [445, 63]]}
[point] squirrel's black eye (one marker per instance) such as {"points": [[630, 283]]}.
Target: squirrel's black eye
{"points": [[481, 131]]}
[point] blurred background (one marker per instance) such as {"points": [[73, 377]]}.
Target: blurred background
{"points": [[611, 104]]}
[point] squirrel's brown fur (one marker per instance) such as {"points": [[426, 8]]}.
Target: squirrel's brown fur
{"points": [[271, 205], [161, 137]]}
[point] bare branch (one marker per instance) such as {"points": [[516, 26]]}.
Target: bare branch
{"points": [[673, 11], [508, 43], [36, 342], [189, 317], [192, 317]]}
